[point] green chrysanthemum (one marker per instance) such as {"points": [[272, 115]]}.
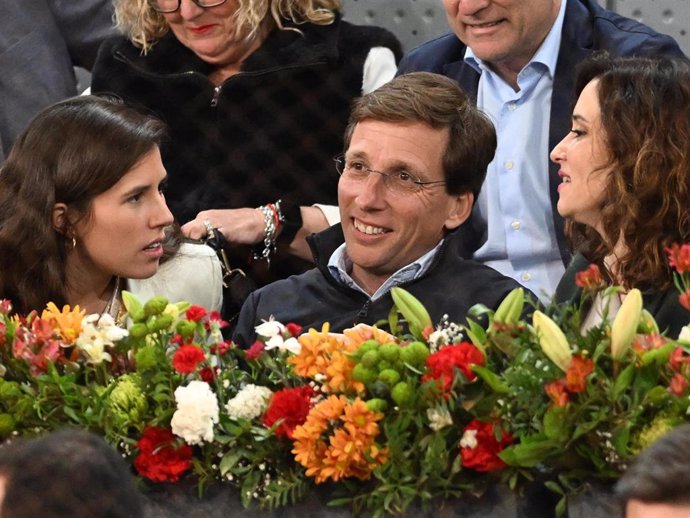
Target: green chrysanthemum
{"points": [[127, 405]]}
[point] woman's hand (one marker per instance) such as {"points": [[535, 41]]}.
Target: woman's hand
{"points": [[239, 226]]}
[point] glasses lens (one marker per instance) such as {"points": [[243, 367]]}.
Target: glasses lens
{"points": [[209, 3], [165, 6], [401, 182]]}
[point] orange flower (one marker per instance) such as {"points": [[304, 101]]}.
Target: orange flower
{"points": [[557, 392], [576, 375], [325, 353], [67, 323], [349, 450], [590, 279], [643, 343]]}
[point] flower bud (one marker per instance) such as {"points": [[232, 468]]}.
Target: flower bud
{"points": [[510, 309], [625, 324], [412, 309], [552, 340]]}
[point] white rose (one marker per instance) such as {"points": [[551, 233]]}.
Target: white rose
{"points": [[197, 412]]}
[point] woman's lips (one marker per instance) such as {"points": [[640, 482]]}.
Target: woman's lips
{"points": [[202, 29]]}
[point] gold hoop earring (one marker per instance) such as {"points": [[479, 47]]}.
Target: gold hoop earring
{"points": [[74, 242]]}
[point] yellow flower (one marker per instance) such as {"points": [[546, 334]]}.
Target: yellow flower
{"points": [[67, 323], [552, 340], [624, 327]]}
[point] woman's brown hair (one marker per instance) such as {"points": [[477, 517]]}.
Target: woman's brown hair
{"points": [[645, 116], [71, 152]]}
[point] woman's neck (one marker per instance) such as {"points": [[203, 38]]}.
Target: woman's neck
{"points": [[226, 70], [91, 290]]}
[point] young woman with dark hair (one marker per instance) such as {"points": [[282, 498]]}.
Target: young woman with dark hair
{"points": [[83, 215]]}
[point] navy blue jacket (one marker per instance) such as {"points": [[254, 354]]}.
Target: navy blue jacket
{"points": [[451, 286], [587, 28]]}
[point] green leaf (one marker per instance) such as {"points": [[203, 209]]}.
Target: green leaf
{"points": [[528, 455], [623, 381], [555, 423], [491, 379]]}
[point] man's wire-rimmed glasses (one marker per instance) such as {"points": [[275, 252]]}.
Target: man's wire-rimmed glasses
{"points": [[397, 181], [170, 6]]}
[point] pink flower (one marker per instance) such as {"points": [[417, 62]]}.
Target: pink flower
{"points": [[254, 351]]}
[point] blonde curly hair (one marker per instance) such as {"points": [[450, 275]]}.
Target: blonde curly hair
{"points": [[144, 26]]}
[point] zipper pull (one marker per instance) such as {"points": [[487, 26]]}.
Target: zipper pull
{"points": [[216, 94]]}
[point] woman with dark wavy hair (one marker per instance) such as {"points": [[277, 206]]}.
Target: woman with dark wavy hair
{"points": [[82, 214], [625, 167]]}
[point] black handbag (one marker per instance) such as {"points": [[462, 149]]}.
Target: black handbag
{"points": [[237, 286]]}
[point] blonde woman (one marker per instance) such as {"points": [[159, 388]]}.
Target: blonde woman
{"points": [[256, 94]]}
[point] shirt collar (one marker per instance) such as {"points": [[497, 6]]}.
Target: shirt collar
{"points": [[340, 267], [547, 53]]}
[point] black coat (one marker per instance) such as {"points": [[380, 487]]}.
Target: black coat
{"points": [[451, 286]]}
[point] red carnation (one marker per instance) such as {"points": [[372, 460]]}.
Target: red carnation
{"points": [[195, 313], [159, 458], [589, 279], [290, 406], [443, 364], [479, 447], [254, 351], [294, 329], [186, 358], [679, 257], [208, 374]]}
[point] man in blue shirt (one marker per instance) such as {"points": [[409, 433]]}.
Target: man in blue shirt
{"points": [[516, 59], [416, 154]]}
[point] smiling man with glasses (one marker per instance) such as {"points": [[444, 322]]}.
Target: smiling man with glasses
{"points": [[415, 155]]}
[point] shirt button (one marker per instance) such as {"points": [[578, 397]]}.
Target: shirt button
{"points": [[508, 164], [515, 225], [526, 276], [512, 106]]}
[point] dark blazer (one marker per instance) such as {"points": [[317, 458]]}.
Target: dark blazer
{"points": [[587, 28], [40, 43], [451, 286], [663, 306]]}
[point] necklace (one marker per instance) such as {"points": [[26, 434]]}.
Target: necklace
{"points": [[114, 305]]}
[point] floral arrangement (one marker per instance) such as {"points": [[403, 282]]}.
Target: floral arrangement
{"points": [[414, 412]]}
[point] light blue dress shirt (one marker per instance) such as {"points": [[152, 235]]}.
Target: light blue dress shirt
{"points": [[340, 267], [514, 204]]}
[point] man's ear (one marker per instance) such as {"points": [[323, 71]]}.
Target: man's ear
{"points": [[460, 210], [59, 218]]}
